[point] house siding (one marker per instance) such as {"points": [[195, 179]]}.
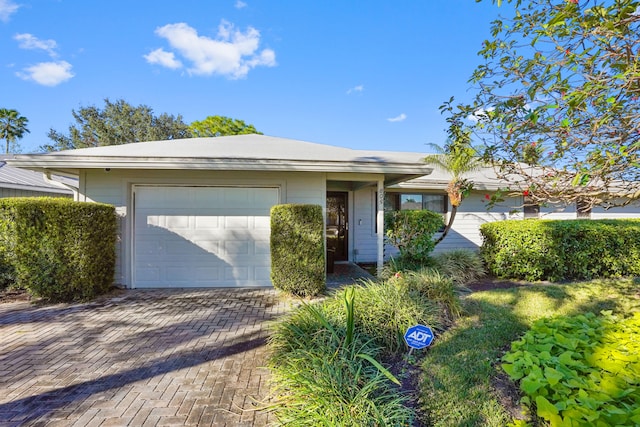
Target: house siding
{"points": [[12, 192], [115, 187], [629, 211]]}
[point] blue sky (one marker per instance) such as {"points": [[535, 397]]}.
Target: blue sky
{"points": [[364, 75]]}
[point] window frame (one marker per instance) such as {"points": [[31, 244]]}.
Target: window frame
{"points": [[396, 196]]}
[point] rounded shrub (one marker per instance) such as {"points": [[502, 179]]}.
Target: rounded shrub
{"points": [[297, 249]]}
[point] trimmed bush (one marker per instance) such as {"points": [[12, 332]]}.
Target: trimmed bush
{"points": [[297, 249], [58, 249], [412, 232], [561, 250]]}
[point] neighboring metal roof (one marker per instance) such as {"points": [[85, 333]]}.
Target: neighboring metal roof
{"points": [[21, 179], [240, 152]]}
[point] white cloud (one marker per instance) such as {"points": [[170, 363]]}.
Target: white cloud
{"points": [[232, 53], [399, 118], [163, 58], [29, 41], [355, 89], [7, 8], [240, 4], [480, 114], [48, 73]]}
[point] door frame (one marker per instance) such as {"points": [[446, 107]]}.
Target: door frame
{"points": [[342, 255]]}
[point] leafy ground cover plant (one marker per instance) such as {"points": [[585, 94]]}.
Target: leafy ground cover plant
{"points": [[580, 370], [462, 383]]}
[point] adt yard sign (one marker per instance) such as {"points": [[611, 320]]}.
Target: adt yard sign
{"points": [[418, 336]]}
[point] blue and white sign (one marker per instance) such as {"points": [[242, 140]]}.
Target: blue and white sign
{"points": [[418, 336]]}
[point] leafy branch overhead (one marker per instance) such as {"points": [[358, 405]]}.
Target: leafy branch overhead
{"points": [[556, 101]]}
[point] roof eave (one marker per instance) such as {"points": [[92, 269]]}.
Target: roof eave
{"points": [[75, 162]]}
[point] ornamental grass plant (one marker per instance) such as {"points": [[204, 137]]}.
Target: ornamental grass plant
{"points": [[462, 266], [326, 370]]}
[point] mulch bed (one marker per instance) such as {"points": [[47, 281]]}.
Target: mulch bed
{"points": [[14, 295]]}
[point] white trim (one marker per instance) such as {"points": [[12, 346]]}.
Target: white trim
{"points": [[380, 219]]}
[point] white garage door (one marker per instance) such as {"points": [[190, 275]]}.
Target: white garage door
{"points": [[202, 236]]}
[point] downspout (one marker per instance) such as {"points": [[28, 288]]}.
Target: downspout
{"points": [[46, 175]]}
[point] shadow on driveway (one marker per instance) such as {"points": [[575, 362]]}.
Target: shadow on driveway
{"points": [[171, 357]]}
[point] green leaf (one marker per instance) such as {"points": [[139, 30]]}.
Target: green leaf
{"points": [[514, 373], [553, 376], [379, 367], [547, 411], [530, 384]]}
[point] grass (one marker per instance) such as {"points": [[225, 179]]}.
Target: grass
{"points": [[460, 371], [328, 358], [326, 371]]}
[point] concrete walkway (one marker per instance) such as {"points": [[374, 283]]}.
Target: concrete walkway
{"points": [[144, 358]]}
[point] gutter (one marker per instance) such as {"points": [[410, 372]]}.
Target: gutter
{"points": [[222, 164], [46, 175]]}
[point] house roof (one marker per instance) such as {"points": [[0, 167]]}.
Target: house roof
{"points": [[483, 179], [239, 152], [21, 179]]}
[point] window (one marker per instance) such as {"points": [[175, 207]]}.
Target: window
{"points": [[415, 201], [530, 209]]}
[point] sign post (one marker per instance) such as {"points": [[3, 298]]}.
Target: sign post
{"points": [[418, 337]]}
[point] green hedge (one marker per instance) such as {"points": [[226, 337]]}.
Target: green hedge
{"points": [[58, 249], [412, 231], [561, 249], [297, 249]]}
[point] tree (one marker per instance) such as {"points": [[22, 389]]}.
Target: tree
{"points": [[117, 123], [457, 158], [557, 104], [221, 126], [13, 126]]}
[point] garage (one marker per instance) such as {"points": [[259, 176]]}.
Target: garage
{"points": [[189, 236]]}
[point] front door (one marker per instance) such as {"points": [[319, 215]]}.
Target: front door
{"points": [[338, 224]]}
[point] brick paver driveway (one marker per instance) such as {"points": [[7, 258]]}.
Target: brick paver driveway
{"points": [[180, 357]]}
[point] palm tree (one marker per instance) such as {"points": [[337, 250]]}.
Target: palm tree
{"points": [[12, 126], [457, 158]]}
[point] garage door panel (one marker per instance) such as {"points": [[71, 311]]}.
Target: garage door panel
{"points": [[207, 222], [236, 222], [201, 242], [262, 247]]}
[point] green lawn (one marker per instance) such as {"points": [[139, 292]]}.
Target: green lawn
{"points": [[461, 373]]}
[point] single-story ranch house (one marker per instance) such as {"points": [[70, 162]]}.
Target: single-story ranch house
{"points": [[195, 212]]}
